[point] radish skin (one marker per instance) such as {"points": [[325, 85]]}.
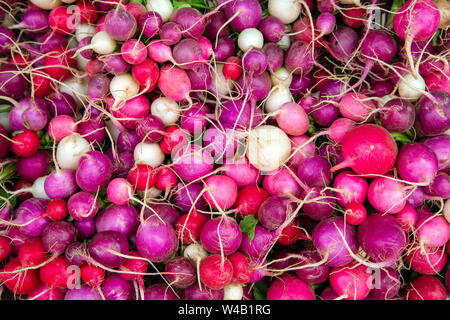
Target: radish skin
{"points": [[70, 150]]}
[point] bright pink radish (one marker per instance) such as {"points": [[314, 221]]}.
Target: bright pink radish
{"points": [[169, 75], [432, 231], [426, 288], [387, 195], [61, 127], [221, 192], [289, 287], [429, 261], [120, 191], [249, 200], [93, 276], [133, 51], [215, 271], [292, 119], [350, 188], [355, 213], [352, 281], [356, 107], [368, 149], [407, 217]]}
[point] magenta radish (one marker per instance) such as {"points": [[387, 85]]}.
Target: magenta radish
{"points": [[191, 162], [290, 287], [432, 231], [397, 115], [120, 24], [328, 238], [417, 163], [220, 192], [387, 195], [119, 218], [433, 113], [350, 188], [315, 172], [368, 149], [241, 171], [321, 203], [190, 20], [356, 107], [247, 14], [57, 236], [282, 182], [181, 272], [440, 146], [382, 238], [274, 211], [82, 206], [156, 240], [429, 261], [221, 235], [351, 281], [150, 23]]}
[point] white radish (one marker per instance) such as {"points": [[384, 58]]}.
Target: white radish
{"points": [[123, 87], [410, 88], [250, 38], [195, 252], [46, 4], [268, 147], [148, 153], [38, 190], [77, 87], [286, 10], [281, 76], [277, 97], [166, 109], [163, 7], [70, 150], [219, 82], [82, 62], [102, 43], [233, 291], [84, 30]]}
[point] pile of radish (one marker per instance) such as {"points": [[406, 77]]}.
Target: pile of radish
{"points": [[224, 150]]}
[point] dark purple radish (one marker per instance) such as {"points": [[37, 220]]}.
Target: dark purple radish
{"points": [[7, 40], [272, 29], [315, 172], [61, 103], [188, 196], [343, 42], [34, 167], [107, 246], [164, 210], [14, 83], [82, 206], [274, 211], [149, 129], [187, 53], [299, 58], [245, 13], [120, 24], [275, 56], [382, 238], [224, 48], [127, 141], [300, 84], [316, 274], [57, 236], [191, 22], [433, 113], [170, 33], [321, 203], [440, 187], [181, 272], [117, 288], [150, 23], [93, 130], [254, 62], [215, 22], [397, 115], [76, 253]]}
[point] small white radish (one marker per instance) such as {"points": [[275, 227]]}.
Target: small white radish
{"points": [[250, 38], [281, 76], [46, 4], [148, 153], [166, 109], [70, 150], [411, 88], [38, 190], [149, 194], [77, 87], [82, 62], [219, 82], [195, 252], [84, 30], [286, 10], [102, 43], [163, 7], [268, 147], [233, 291], [278, 95], [123, 87], [4, 117]]}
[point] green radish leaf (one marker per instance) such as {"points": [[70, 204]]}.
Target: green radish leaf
{"points": [[396, 4], [248, 225], [7, 172], [402, 138], [260, 290], [12, 200]]}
